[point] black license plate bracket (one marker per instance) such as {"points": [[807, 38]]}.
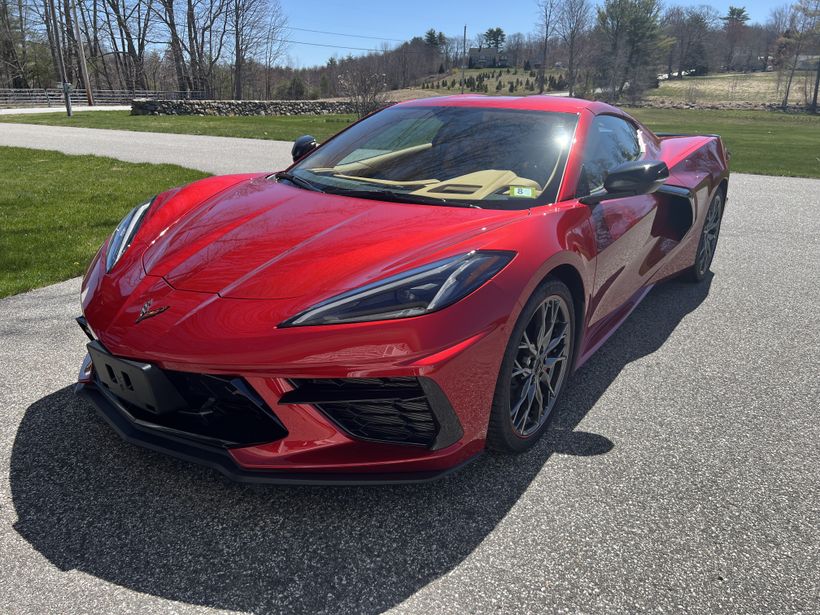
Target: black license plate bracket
{"points": [[141, 384]]}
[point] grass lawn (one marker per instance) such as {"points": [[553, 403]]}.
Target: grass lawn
{"points": [[737, 87], [56, 210], [762, 142], [278, 127]]}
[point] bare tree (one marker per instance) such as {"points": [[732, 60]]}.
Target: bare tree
{"points": [[169, 18], [573, 21], [206, 32], [689, 28], [364, 82], [248, 21], [129, 25], [802, 29], [547, 12], [275, 44]]}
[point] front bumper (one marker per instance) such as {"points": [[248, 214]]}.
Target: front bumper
{"points": [[117, 416], [276, 430]]}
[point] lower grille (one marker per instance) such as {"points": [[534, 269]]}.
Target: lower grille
{"points": [[393, 410], [218, 410]]}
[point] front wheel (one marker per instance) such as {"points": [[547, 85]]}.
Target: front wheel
{"points": [[534, 370], [708, 240]]}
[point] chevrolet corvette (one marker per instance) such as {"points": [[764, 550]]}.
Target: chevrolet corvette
{"points": [[412, 292]]}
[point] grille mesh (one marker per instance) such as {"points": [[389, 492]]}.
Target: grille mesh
{"points": [[392, 410]]}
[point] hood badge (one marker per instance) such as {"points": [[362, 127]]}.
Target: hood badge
{"points": [[147, 312]]}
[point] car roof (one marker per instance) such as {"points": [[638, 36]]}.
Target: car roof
{"points": [[537, 102]]}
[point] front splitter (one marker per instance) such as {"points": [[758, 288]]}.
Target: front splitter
{"points": [[219, 459]]}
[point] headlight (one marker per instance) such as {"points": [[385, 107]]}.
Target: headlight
{"points": [[412, 293], [124, 234]]}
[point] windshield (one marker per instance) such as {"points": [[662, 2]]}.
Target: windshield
{"points": [[460, 156]]}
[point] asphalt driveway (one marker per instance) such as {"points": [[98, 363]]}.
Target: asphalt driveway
{"points": [[217, 155], [683, 474]]}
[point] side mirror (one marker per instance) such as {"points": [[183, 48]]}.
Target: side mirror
{"points": [[631, 179], [303, 146]]}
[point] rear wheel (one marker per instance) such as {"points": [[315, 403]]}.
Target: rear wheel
{"points": [[534, 370], [708, 240]]}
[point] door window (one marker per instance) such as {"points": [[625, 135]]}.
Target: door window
{"points": [[610, 141]]}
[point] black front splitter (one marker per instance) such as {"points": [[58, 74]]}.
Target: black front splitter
{"points": [[219, 459]]}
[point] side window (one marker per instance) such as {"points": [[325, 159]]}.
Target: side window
{"points": [[610, 142]]}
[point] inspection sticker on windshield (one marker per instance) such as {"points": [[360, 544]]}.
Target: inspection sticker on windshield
{"points": [[521, 191]]}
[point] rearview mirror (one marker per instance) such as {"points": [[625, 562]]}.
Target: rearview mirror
{"points": [[631, 179], [303, 146]]}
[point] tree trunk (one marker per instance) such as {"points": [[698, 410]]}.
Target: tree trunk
{"points": [[791, 76], [53, 39], [816, 88], [183, 84], [237, 72], [8, 53]]}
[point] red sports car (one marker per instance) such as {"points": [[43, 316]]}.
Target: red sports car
{"points": [[410, 293]]}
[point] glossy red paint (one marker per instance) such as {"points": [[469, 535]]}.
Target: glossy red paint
{"points": [[233, 257]]}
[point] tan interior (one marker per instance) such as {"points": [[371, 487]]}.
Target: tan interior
{"points": [[478, 185], [472, 186], [375, 162]]}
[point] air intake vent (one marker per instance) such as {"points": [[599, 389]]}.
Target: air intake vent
{"points": [[394, 410]]}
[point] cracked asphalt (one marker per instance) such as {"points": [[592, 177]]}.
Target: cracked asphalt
{"points": [[682, 476]]}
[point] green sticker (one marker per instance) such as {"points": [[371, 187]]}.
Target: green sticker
{"points": [[521, 191]]}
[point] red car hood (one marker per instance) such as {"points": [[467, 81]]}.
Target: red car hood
{"points": [[265, 240]]}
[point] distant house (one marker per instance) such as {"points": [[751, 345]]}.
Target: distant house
{"points": [[483, 57]]}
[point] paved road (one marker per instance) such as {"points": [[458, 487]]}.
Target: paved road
{"points": [[58, 109], [682, 476], [217, 155]]}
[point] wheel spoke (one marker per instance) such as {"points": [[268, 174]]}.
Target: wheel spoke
{"points": [[520, 420], [526, 344], [558, 338], [539, 398], [551, 362], [519, 370]]}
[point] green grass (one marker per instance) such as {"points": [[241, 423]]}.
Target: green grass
{"points": [[278, 127], [761, 142], [56, 210]]}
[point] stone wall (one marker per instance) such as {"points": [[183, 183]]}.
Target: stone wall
{"points": [[144, 106], [656, 103]]}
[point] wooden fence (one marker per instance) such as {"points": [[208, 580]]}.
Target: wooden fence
{"points": [[53, 97]]}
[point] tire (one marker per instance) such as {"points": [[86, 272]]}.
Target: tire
{"points": [[707, 244], [548, 312]]}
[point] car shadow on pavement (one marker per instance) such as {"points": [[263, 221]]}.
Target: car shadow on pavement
{"points": [[88, 501]]}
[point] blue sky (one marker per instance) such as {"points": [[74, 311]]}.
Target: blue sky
{"points": [[402, 19]]}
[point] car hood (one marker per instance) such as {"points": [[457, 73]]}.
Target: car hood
{"points": [[265, 240]]}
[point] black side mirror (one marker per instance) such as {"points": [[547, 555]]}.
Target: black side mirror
{"points": [[631, 179], [303, 146]]}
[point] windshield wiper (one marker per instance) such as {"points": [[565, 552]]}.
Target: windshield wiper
{"points": [[401, 197], [295, 179]]}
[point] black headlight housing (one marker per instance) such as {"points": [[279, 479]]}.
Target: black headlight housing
{"points": [[412, 293], [124, 234]]}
